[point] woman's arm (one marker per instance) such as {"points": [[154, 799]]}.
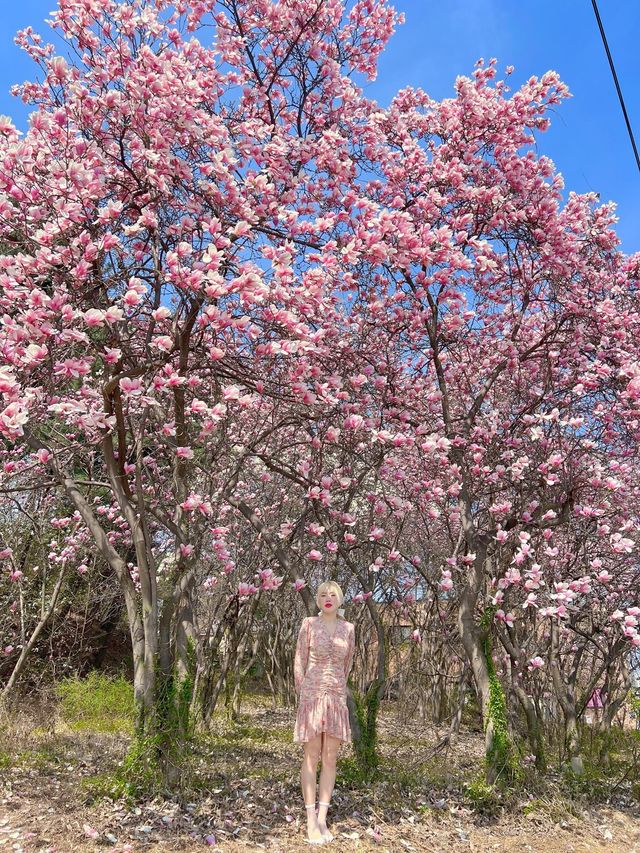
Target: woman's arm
{"points": [[302, 654]]}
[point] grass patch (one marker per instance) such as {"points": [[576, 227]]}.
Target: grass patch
{"points": [[349, 774], [99, 787], [404, 779], [225, 733], [38, 759], [592, 785], [555, 808], [98, 703], [390, 773], [269, 773], [484, 799]]}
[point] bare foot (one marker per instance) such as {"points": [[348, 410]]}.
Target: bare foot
{"points": [[313, 832], [324, 830]]}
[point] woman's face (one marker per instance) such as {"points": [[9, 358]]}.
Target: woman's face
{"points": [[329, 600]]}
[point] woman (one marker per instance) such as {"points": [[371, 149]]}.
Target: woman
{"points": [[323, 660]]}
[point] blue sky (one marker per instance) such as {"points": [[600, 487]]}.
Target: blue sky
{"points": [[440, 40]]}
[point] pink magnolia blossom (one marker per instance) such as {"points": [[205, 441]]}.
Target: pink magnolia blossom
{"points": [[12, 420], [353, 422], [93, 317], [130, 386]]}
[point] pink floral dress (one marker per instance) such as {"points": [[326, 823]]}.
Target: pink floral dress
{"points": [[322, 664]]}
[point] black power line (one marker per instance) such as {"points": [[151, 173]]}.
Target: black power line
{"points": [[615, 80]]}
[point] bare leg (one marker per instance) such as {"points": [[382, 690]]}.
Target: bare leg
{"points": [[330, 748], [312, 751]]}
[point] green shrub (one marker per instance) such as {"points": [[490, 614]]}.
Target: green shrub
{"points": [[483, 798], [592, 784], [97, 703], [365, 749], [405, 779]]}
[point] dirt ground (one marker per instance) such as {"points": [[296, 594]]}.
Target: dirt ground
{"points": [[249, 799]]}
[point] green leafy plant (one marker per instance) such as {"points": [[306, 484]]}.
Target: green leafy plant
{"points": [[365, 747]]}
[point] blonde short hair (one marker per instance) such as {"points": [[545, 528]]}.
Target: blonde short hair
{"points": [[329, 585]]}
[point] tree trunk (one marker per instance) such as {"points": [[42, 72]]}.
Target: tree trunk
{"points": [[476, 640], [566, 698], [456, 719], [534, 728], [614, 692], [151, 718]]}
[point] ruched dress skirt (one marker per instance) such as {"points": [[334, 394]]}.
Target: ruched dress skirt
{"points": [[322, 663]]}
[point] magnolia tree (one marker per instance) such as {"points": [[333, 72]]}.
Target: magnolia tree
{"points": [[230, 283], [172, 223], [519, 320]]}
